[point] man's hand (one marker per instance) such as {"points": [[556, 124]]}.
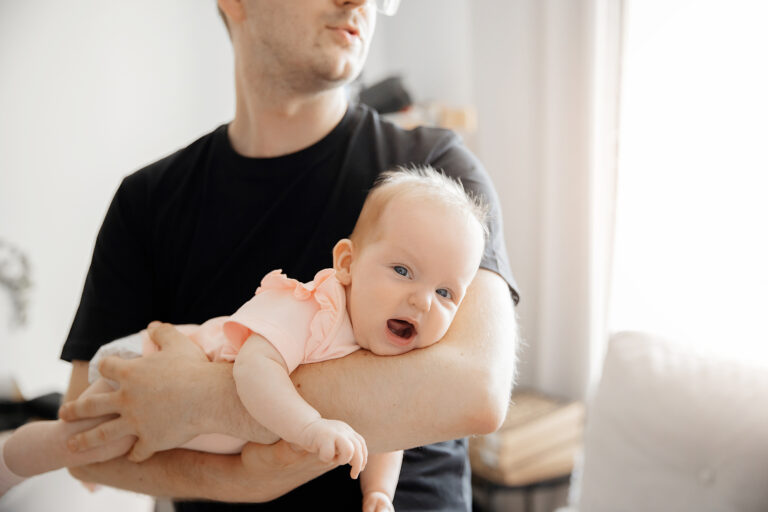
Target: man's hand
{"points": [[335, 441], [280, 468], [261, 473], [154, 400]]}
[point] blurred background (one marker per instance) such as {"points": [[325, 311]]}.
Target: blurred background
{"points": [[625, 139]]}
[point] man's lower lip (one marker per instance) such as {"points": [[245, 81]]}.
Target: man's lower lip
{"points": [[344, 35]]}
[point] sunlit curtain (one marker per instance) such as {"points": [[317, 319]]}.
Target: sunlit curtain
{"points": [[557, 91], [581, 64], [691, 253]]}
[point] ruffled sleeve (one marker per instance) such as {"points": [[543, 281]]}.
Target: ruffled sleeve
{"points": [[330, 331], [291, 315]]}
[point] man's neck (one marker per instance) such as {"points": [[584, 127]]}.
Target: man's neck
{"points": [[268, 125]]}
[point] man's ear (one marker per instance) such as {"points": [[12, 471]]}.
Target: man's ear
{"points": [[342, 260], [233, 9]]}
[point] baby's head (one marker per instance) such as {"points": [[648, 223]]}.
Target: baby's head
{"points": [[406, 267]]}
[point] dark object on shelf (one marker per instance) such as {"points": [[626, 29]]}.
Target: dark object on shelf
{"points": [[387, 96], [15, 414]]}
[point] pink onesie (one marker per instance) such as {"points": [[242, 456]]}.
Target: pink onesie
{"points": [[305, 322]]}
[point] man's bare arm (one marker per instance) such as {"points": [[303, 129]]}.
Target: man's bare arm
{"points": [[457, 387], [261, 473]]}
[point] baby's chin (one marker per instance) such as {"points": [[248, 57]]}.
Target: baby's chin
{"points": [[383, 347]]}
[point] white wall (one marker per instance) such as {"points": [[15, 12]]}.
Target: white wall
{"points": [[89, 92], [429, 43]]}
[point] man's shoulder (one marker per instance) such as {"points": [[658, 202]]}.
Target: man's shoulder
{"points": [[175, 168], [420, 141], [383, 145]]}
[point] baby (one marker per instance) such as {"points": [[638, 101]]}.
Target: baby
{"points": [[395, 286]]}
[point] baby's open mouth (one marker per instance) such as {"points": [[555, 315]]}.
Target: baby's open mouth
{"points": [[401, 328]]}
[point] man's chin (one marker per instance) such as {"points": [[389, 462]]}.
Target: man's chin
{"points": [[339, 73]]}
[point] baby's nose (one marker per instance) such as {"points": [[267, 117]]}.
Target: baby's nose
{"points": [[420, 300]]}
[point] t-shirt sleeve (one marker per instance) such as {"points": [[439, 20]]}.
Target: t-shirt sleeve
{"points": [[280, 318], [117, 292], [453, 158]]}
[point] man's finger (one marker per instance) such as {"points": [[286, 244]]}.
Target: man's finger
{"points": [[91, 406], [164, 335], [140, 452], [99, 436], [113, 367]]}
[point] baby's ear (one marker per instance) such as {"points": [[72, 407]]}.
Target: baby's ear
{"points": [[342, 260]]}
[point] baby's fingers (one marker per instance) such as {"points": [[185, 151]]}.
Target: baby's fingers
{"points": [[326, 450], [377, 501], [359, 457], [345, 450]]}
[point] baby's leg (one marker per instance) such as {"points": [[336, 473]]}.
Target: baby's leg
{"points": [[379, 481], [41, 446]]}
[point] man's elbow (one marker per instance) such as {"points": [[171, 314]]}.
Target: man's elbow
{"points": [[490, 391], [489, 410]]}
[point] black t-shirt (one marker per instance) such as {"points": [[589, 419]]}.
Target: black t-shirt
{"points": [[189, 238]]}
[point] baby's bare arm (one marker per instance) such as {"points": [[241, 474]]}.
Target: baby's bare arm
{"points": [[266, 391], [379, 480]]}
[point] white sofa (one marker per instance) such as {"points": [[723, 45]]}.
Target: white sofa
{"points": [[671, 429]]}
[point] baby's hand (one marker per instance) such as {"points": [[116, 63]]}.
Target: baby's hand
{"points": [[335, 441], [377, 501]]}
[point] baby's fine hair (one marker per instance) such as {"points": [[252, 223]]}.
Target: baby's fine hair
{"points": [[421, 182]]}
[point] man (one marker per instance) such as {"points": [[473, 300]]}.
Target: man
{"points": [[189, 238]]}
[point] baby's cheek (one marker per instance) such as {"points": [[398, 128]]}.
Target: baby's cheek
{"points": [[448, 319]]}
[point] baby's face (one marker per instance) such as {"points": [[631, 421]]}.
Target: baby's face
{"points": [[408, 281]]}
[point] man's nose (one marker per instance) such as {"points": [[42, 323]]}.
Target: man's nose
{"points": [[355, 3]]}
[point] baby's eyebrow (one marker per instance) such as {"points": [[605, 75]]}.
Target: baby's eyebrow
{"points": [[409, 255]]}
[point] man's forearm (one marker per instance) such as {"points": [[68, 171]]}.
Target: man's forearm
{"points": [[173, 473], [260, 473], [457, 387]]}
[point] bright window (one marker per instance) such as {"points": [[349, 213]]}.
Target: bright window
{"points": [[691, 253]]}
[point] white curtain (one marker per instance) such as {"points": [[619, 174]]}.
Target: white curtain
{"points": [[691, 246], [548, 116]]}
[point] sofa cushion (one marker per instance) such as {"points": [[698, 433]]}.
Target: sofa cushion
{"points": [[670, 429]]}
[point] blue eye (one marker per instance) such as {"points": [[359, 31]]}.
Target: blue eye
{"points": [[444, 293], [401, 270]]}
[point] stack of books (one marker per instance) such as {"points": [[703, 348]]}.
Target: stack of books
{"points": [[537, 443]]}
